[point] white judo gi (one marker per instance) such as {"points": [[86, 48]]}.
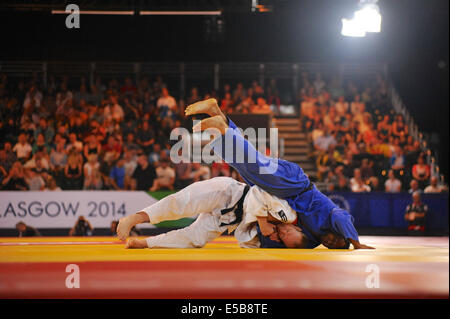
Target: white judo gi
{"points": [[208, 199]]}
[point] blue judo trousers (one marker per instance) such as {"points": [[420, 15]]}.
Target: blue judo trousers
{"points": [[317, 214]]}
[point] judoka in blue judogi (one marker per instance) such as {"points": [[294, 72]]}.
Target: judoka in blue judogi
{"points": [[317, 214]]}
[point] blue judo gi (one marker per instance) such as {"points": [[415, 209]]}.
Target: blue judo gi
{"points": [[317, 213]]}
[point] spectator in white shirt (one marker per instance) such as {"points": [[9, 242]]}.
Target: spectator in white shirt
{"points": [[317, 132], [91, 168], [38, 161], [341, 106], [165, 177], [200, 172], [323, 142], [34, 180], [434, 187], [166, 100], [22, 149], [357, 184], [331, 119], [392, 184], [113, 111], [74, 143]]}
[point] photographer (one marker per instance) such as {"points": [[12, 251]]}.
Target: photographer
{"points": [[82, 228]]}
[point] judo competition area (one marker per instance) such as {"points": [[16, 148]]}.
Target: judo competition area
{"points": [[400, 267]]}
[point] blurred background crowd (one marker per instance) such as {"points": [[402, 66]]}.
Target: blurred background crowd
{"points": [[359, 143], [113, 134]]}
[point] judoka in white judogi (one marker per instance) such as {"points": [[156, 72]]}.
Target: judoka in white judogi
{"points": [[216, 202]]}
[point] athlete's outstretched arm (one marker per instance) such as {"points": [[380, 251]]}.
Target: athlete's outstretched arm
{"points": [[357, 245], [342, 222]]}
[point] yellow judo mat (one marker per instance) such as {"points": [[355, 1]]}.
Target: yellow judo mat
{"points": [[400, 267]]}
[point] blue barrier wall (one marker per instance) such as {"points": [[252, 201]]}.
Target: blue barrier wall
{"points": [[388, 210]]}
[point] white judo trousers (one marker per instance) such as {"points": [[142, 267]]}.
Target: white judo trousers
{"points": [[207, 199]]}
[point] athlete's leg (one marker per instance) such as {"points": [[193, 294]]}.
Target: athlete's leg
{"points": [[128, 222], [200, 197], [278, 177], [136, 243], [208, 106], [216, 122], [204, 229]]}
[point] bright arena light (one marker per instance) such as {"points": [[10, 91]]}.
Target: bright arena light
{"points": [[366, 19], [351, 28], [369, 18]]}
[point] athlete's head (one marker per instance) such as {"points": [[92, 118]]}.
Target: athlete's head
{"points": [[292, 236], [332, 240], [21, 227]]}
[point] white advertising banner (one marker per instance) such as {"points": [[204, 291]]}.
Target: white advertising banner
{"points": [[61, 209]]}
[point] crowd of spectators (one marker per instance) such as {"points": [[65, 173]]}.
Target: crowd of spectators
{"points": [[358, 142], [112, 134], [108, 135]]}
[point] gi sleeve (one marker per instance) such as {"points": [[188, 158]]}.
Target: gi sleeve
{"points": [[259, 203], [342, 223]]}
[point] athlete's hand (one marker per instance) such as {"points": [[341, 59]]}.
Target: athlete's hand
{"points": [[358, 245], [275, 237], [362, 246], [268, 229]]}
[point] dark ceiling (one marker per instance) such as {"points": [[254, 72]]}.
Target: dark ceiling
{"points": [[413, 41]]}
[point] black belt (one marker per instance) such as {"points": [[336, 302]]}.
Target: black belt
{"points": [[239, 211]]}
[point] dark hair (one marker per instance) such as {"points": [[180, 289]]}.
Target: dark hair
{"points": [[305, 241], [346, 246], [347, 242]]}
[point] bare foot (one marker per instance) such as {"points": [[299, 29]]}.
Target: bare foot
{"points": [[211, 122], [128, 222], [124, 227], [208, 106], [136, 243]]}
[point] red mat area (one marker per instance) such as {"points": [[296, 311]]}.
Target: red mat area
{"points": [[201, 279], [408, 268]]}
